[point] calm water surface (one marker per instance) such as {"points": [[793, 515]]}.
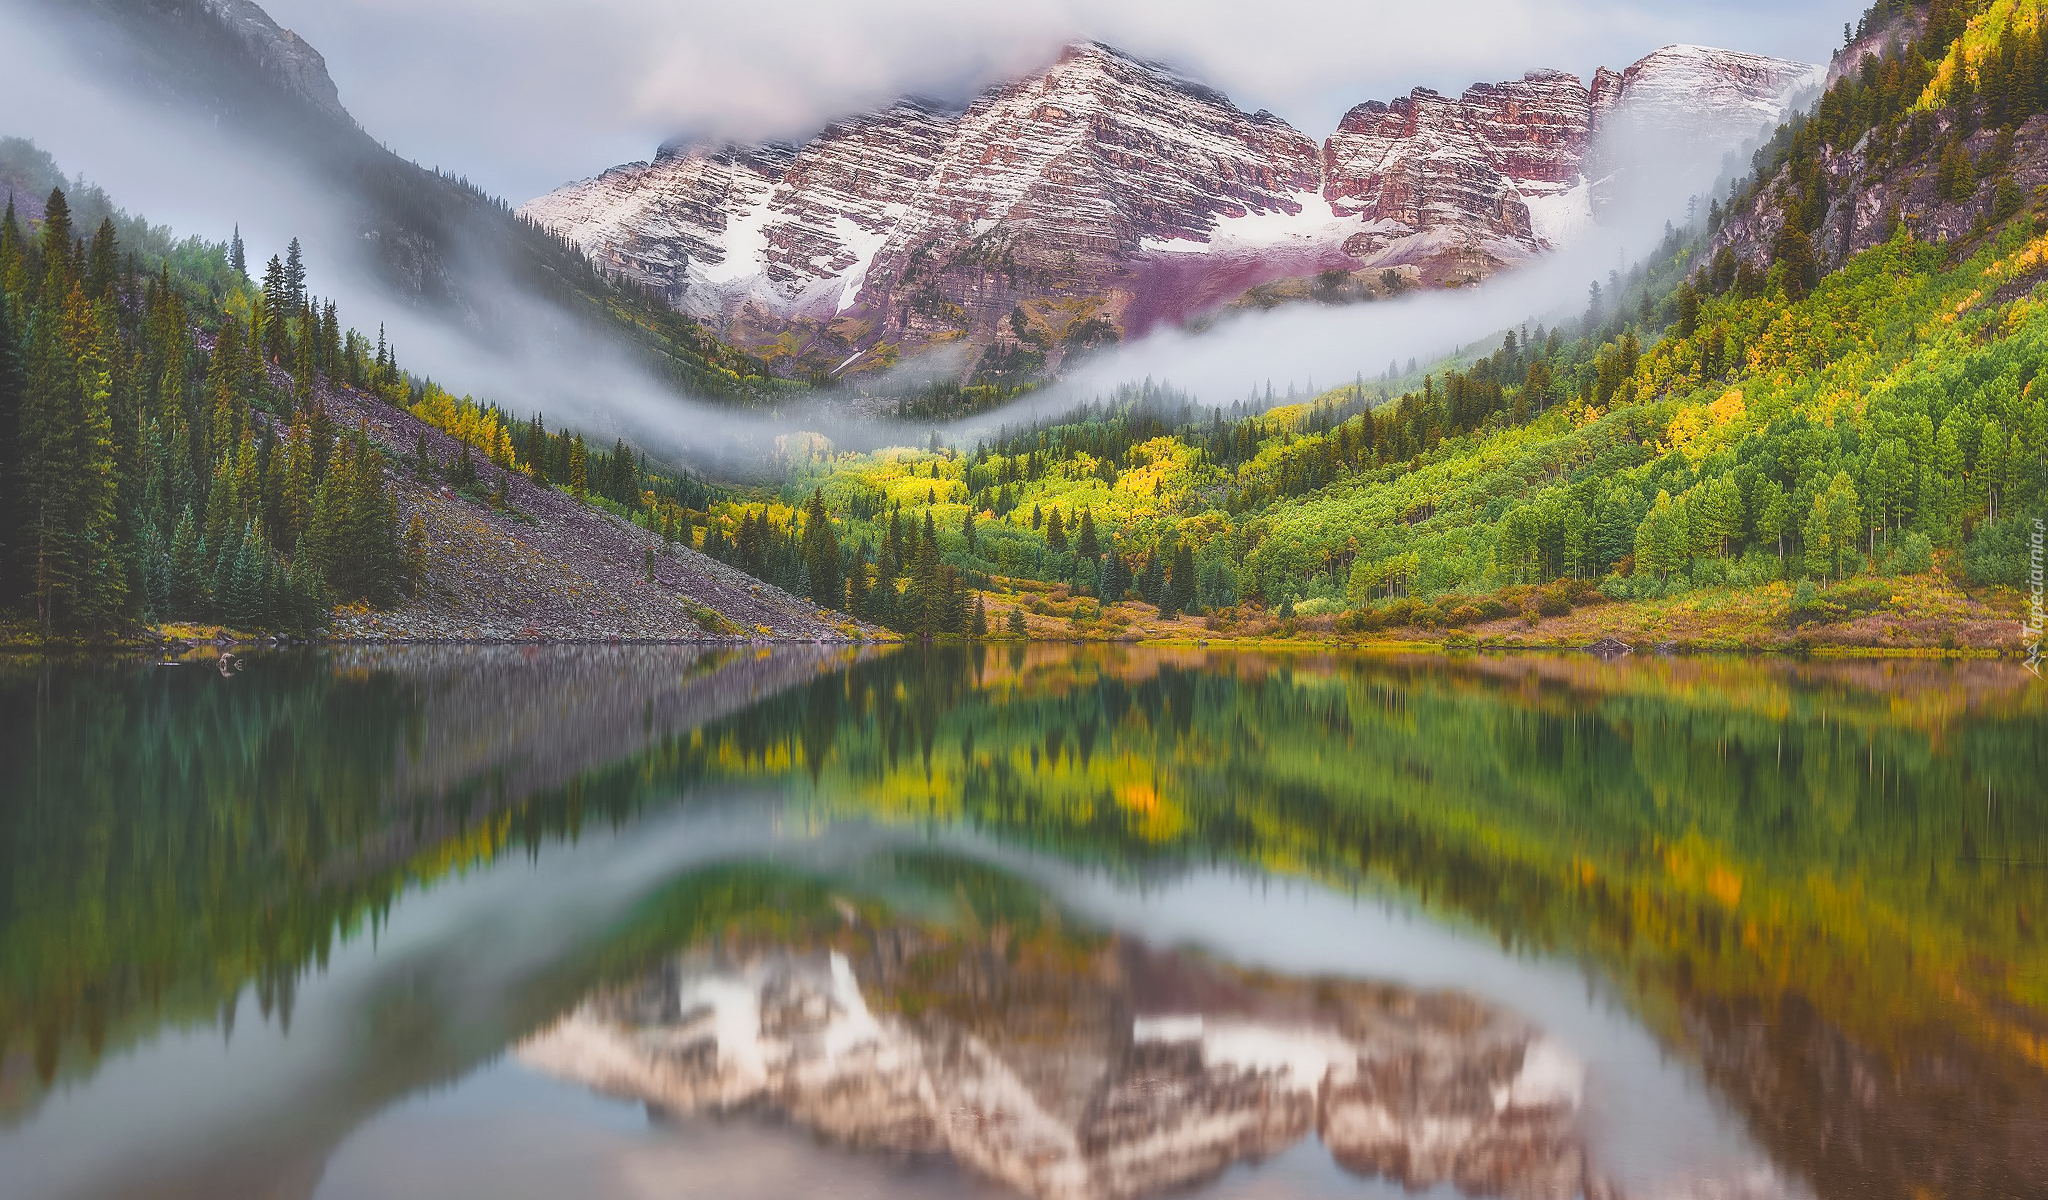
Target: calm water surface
{"points": [[1060, 923]]}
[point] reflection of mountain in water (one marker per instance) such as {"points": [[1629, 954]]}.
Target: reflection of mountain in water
{"points": [[1072, 1070], [170, 835]]}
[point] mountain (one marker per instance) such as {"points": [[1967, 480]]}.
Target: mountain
{"points": [[1104, 195], [436, 243]]}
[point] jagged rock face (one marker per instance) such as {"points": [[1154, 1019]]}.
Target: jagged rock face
{"points": [[281, 52], [1470, 171], [1123, 1075], [1104, 195], [1052, 185], [1867, 202]]}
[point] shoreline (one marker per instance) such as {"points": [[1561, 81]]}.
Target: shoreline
{"points": [[1306, 642]]}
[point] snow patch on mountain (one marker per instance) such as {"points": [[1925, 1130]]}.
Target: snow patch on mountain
{"points": [[1110, 181], [1561, 218]]}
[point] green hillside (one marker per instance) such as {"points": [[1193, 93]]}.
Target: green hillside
{"points": [[1772, 446]]}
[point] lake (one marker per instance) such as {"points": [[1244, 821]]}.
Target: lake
{"points": [[1037, 921]]}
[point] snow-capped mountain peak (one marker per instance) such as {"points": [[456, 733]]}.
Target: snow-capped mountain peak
{"points": [[1105, 194]]}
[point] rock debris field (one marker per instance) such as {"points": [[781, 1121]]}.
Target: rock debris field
{"points": [[553, 568]]}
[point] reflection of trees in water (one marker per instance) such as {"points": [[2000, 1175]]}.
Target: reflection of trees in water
{"points": [[169, 835], [1720, 836], [1853, 838], [1062, 1062], [1938, 1117], [495, 724]]}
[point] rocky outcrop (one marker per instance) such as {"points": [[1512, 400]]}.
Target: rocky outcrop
{"points": [[1868, 200], [282, 53], [1105, 195], [1118, 1074]]}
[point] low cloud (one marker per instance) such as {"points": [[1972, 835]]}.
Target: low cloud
{"points": [[524, 95]]}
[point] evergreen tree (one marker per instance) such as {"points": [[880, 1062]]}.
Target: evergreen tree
{"points": [[822, 565], [294, 277], [1087, 545], [1116, 578], [858, 598], [1181, 584], [979, 629], [12, 519]]}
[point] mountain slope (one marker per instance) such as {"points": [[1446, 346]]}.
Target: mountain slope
{"points": [[1104, 195], [436, 242], [1763, 438]]}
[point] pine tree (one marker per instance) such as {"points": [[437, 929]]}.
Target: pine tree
{"points": [[1087, 544], [56, 238], [294, 277], [579, 479], [238, 258], [188, 582], [858, 599], [1116, 579], [13, 521], [277, 309], [1055, 531], [536, 450], [1016, 624], [822, 565], [416, 554], [102, 262], [1181, 586], [68, 463], [979, 629]]}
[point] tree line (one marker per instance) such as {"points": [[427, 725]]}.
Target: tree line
{"points": [[149, 468]]}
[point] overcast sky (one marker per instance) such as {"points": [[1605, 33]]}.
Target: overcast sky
{"points": [[524, 95]]}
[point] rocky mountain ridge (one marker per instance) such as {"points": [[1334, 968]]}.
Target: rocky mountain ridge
{"points": [[1105, 195], [1144, 1073]]}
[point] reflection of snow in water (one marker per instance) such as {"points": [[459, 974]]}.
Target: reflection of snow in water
{"points": [[1044, 1081], [187, 1110]]}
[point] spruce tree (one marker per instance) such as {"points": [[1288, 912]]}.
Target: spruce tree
{"points": [[187, 582], [102, 262], [858, 600], [13, 520], [56, 237], [1181, 588], [822, 565], [295, 277]]}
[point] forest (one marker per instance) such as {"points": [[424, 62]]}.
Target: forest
{"points": [[153, 471], [167, 454], [1707, 424]]}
